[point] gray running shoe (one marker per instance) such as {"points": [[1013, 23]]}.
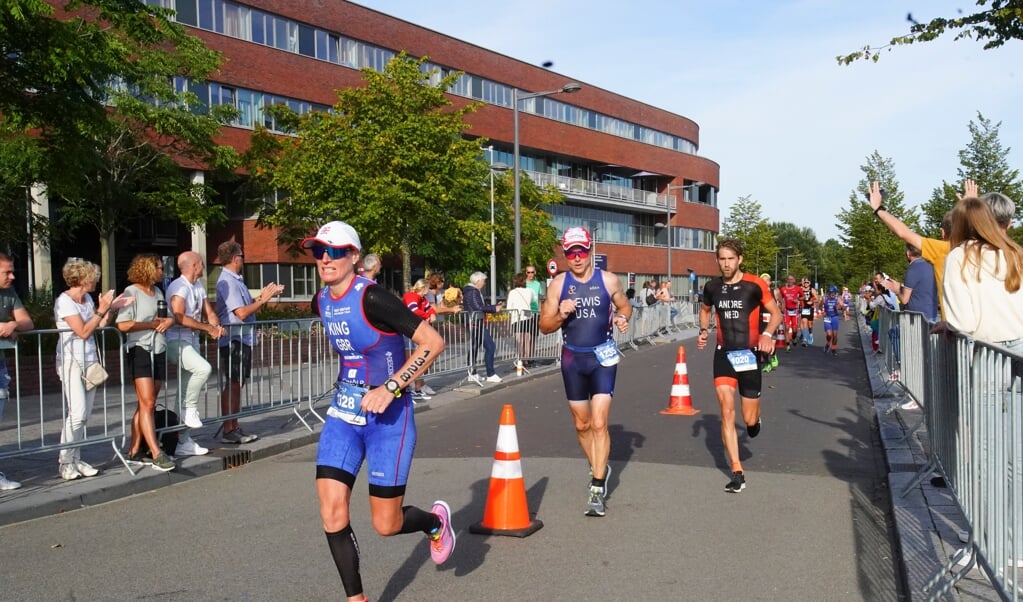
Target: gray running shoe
{"points": [[163, 463], [595, 504]]}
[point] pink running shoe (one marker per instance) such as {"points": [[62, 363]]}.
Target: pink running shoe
{"points": [[442, 543]]}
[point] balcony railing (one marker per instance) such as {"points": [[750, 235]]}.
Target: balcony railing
{"points": [[603, 191]]}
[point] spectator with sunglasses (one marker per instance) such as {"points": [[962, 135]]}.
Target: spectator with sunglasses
{"points": [[586, 304], [536, 286], [371, 417]]}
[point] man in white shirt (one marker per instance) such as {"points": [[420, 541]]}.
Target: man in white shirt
{"points": [[188, 304]]}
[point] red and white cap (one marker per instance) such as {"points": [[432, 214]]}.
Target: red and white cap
{"points": [[334, 234], [576, 236]]}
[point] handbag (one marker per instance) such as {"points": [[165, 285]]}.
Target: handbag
{"points": [[94, 376]]}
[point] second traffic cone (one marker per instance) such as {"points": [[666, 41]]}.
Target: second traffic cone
{"points": [[680, 403], [506, 512]]}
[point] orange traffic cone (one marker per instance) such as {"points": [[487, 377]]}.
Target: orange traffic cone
{"points": [[680, 404], [506, 512]]}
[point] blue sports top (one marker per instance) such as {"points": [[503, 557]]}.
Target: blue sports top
{"points": [[369, 356], [831, 306], [591, 323]]}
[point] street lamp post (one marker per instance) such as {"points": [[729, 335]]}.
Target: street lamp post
{"points": [[516, 97], [776, 261], [498, 167], [787, 261]]}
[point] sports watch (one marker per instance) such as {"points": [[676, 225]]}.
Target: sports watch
{"points": [[393, 386]]}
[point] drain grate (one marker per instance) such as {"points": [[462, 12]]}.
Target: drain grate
{"points": [[233, 458]]}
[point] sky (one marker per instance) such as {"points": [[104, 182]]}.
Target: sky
{"points": [[789, 126]]}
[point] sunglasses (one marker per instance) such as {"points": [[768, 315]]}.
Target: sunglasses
{"points": [[577, 254], [530, 272], [332, 252]]}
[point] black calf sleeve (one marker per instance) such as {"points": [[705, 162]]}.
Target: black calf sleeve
{"points": [[415, 519], [345, 550]]}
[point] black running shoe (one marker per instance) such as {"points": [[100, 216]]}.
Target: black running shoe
{"points": [[754, 430], [737, 484]]}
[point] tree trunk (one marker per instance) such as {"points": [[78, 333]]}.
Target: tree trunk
{"points": [[406, 266], [107, 268]]}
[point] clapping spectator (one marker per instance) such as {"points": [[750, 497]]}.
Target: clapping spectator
{"points": [[78, 318]]}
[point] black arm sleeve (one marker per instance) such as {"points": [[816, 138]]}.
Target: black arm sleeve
{"points": [[388, 313]]}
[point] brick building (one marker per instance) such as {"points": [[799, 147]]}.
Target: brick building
{"points": [[625, 167]]}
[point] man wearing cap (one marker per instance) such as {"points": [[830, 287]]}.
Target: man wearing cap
{"points": [[833, 306], [586, 303], [371, 416]]}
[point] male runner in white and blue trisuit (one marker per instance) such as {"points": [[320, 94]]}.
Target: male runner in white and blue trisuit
{"points": [[371, 415], [586, 303], [737, 300]]}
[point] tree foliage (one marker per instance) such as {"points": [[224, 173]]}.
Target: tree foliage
{"points": [[994, 26], [798, 249], [746, 222], [392, 160], [871, 246], [93, 82], [984, 160]]}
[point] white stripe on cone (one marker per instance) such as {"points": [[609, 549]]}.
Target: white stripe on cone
{"points": [[507, 439], [681, 369], [679, 390], [506, 469]]}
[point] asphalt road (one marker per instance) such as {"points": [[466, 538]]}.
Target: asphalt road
{"points": [[813, 523]]}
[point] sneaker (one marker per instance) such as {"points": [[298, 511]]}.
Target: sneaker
{"points": [[474, 378], [767, 368], [188, 447], [7, 484], [428, 390], [137, 459], [192, 420], [442, 543], [68, 472], [809, 339], [493, 378], [910, 405], [595, 503], [237, 436], [737, 484], [754, 430], [774, 362], [420, 396], [86, 469], [163, 463]]}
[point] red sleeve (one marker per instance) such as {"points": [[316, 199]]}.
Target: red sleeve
{"points": [[417, 304]]}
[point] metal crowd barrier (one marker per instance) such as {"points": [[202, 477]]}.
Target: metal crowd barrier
{"points": [[972, 401], [292, 364]]}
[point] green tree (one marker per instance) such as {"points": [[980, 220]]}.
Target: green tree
{"points": [[746, 222], [871, 246], [798, 247], [984, 160], [392, 160], [95, 88], [994, 26]]}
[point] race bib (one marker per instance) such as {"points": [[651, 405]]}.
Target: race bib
{"points": [[807, 311], [791, 312], [607, 353], [743, 360], [347, 404]]}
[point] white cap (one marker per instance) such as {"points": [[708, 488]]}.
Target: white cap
{"points": [[576, 236], [334, 234]]}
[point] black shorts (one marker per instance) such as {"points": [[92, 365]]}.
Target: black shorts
{"points": [[236, 362], [748, 383], [142, 364]]}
